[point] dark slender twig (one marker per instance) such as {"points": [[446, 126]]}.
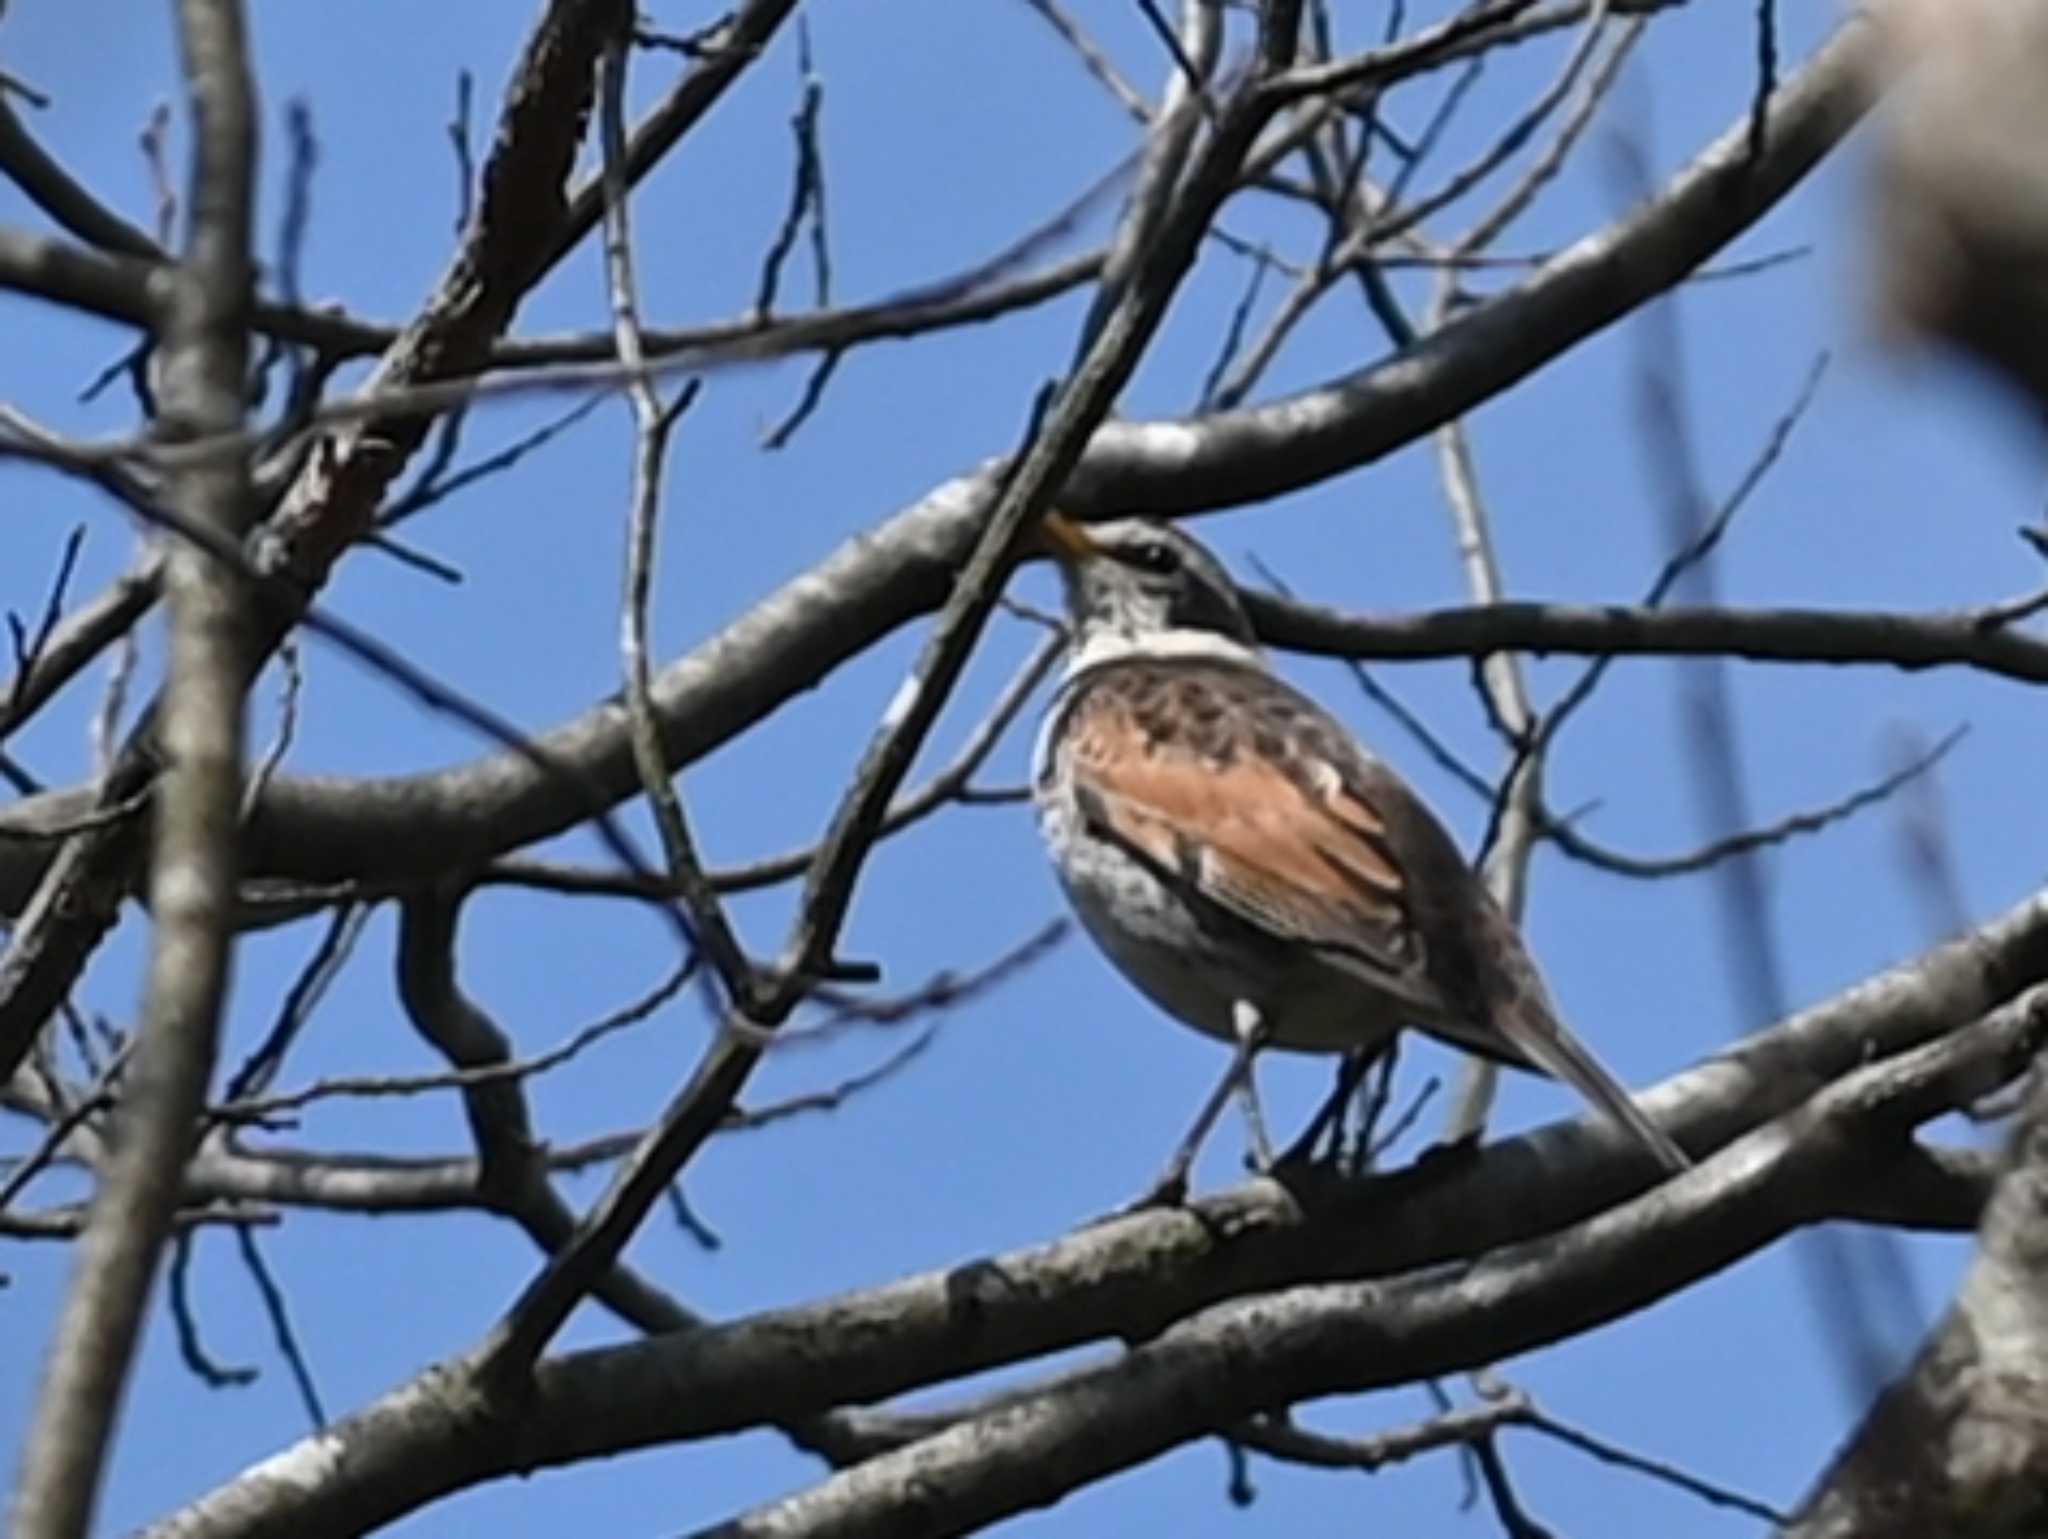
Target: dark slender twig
{"points": [[1568, 839], [1283, 1440], [14, 85], [99, 1098], [321, 968], [1094, 60], [1926, 849], [1440, 120], [1233, 334], [279, 1315], [748, 1119], [74, 642], [807, 188], [191, 1347], [156, 157], [1190, 73], [1703, 545], [298, 198], [820, 376], [289, 664], [1656, 1469], [687, 1220], [29, 648], [1425, 736], [436, 483], [412, 556], [458, 137], [1515, 1521], [1766, 76], [245, 1104]]}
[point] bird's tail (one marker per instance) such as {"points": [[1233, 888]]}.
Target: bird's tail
{"points": [[1548, 1045]]}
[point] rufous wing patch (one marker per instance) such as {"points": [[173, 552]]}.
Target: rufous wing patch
{"points": [[1285, 844]]}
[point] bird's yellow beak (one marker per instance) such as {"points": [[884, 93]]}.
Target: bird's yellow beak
{"points": [[1066, 541]]}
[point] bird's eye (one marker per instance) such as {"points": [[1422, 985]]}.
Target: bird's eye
{"points": [[1154, 556]]}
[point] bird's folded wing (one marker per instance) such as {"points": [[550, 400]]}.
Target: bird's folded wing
{"points": [[1288, 847]]}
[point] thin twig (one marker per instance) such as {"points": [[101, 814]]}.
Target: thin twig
{"points": [[1094, 60], [653, 423], [435, 483], [281, 1330], [29, 647], [242, 1105], [329, 956], [458, 137], [97, 1099], [1568, 839], [287, 725], [191, 1348]]}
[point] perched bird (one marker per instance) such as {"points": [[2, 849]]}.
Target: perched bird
{"points": [[1246, 862]]}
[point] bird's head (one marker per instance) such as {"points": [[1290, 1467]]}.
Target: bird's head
{"points": [[1137, 584]]}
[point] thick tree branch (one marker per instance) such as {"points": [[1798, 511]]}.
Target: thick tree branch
{"points": [[1132, 1277], [1957, 1447], [1203, 1375]]}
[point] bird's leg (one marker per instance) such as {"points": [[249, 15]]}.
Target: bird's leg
{"points": [[1252, 1034], [1331, 1114], [1172, 1186]]}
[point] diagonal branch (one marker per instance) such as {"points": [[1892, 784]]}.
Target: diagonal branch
{"points": [[1038, 472]]}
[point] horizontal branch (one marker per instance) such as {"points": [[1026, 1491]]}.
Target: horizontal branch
{"points": [[1963, 638], [1128, 1278], [1205, 1374]]}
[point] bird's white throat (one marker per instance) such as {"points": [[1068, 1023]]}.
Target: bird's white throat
{"points": [[1107, 644]]}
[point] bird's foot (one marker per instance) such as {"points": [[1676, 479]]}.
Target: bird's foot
{"points": [[1168, 1194], [1169, 1191]]}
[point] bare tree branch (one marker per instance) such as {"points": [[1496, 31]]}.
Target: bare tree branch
{"points": [[1130, 1277], [1957, 1445], [196, 854]]}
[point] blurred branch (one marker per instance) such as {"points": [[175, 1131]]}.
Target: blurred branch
{"points": [[195, 848], [1958, 1444]]}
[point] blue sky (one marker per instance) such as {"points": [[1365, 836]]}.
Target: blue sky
{"points": [[949, 129]]}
